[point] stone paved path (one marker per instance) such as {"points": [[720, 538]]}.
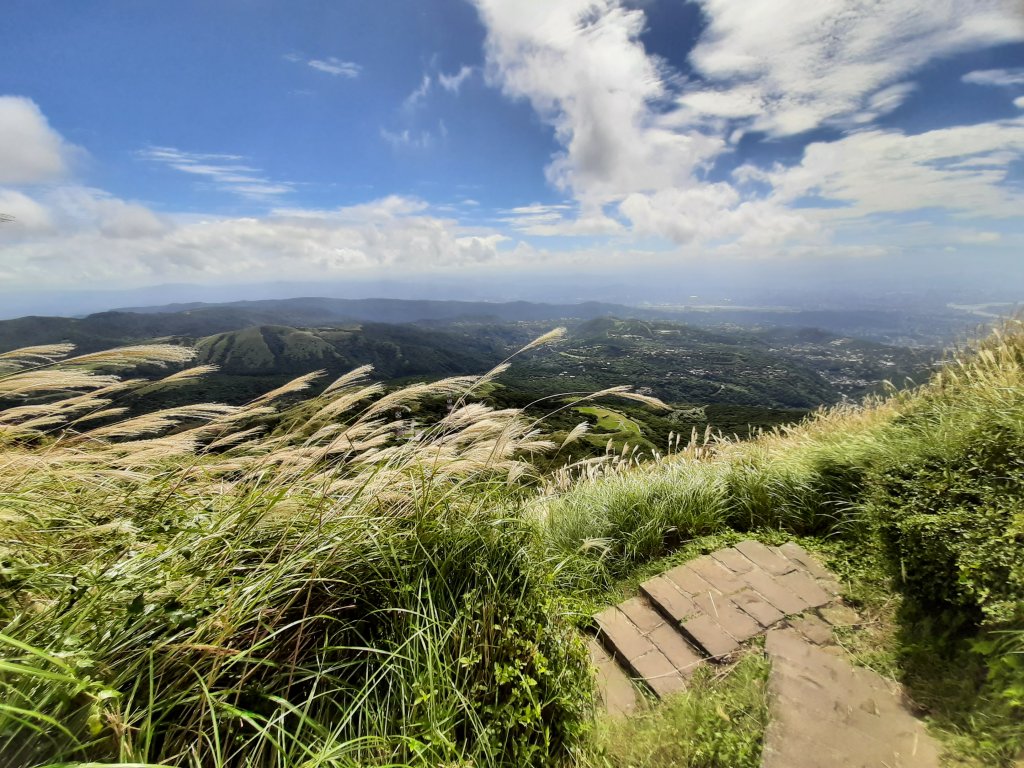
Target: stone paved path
{"points": [[698, 612], [825, 711]]}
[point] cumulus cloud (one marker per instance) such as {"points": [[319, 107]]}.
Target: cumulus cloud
{"points": [[638, 139], [626, 150], [88, 236], [27, 215], [788, 66], [228, 173], [962, 169], [998, 77], [582, 67], [31, 152]]}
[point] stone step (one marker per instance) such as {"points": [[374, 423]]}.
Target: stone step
{"points": [[647, 646], [706, 609], [614, 688]]}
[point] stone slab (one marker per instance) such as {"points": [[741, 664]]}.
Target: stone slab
{"points": [[642, 614], [669, 600], [797, 554], [803, 585], [764, 558], [803, 558], [614, 688], [763, 612], [728, 615], [710, 637], [684, 657], [659, 673], [688, 581], [717, 575], [813, 628], [826, 712], [840, 615], [775, 593], [733, 559], [622, 635]]}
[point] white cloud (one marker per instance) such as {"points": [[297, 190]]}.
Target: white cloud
{"points": [[998, 77], [414, 99], [31, 152], [979, 238], [407, 139], [637, 139], [452, 83], [228, 173], [336, 67], [95, 238], [27, 214], [788, 66], [960, 169], [582, 67], [559, 220]]}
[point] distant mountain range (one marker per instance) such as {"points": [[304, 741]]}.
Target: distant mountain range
{"points": [[255, 343]]}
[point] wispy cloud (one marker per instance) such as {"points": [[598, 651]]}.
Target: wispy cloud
{"points": [[416, 98], [228, 173], [1000, 77], [407, 139], [452, 83], [331, 65]]}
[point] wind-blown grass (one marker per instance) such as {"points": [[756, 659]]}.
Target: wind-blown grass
{"points": [[188, 587]]}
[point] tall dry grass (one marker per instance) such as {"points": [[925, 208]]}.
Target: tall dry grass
{"points": [[264, 586]]}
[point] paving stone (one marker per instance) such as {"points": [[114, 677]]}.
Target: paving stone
{"points": [[717, 575], [805, 587], [764, 558], [839, 615], [813, 628], [622, 635], [733, 559], [641, 613], [826, 712], [684, 657], [728, 615], [658, 672], [797, 554], [669, 599], [774, 592], [753, 604], [615, 689], [802, 557], [688, 581], [710, 637]]}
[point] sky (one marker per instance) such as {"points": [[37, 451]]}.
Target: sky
{"points": [[220, 143]]}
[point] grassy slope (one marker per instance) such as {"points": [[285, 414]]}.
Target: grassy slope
{"points": [[327, 595], [917, 499]]}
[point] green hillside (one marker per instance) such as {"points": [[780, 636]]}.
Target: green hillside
{"points": [[394, 351]]}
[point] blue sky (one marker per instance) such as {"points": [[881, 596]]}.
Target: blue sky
{"points": [[222, 142]]}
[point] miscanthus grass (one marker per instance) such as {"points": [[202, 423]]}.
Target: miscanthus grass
{"points": [[250, 586]]}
